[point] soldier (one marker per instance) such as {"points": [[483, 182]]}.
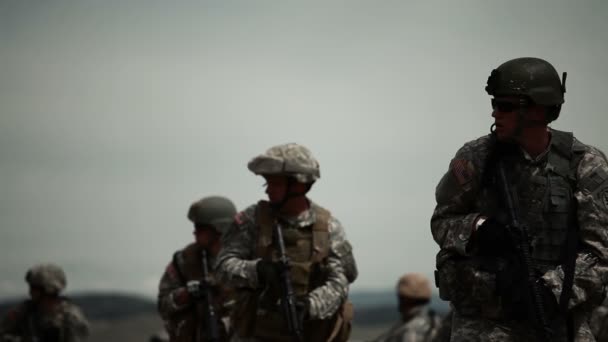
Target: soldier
{"points": [[418, 323], [46, 316], [183, 295], [321, 261], [521, 218]]}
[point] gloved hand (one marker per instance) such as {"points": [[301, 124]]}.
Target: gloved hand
{"points": [[494, 238], [303, 309], [268, 273], [194, 289]]}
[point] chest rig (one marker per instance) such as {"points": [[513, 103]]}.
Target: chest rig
{"points": [[258, 313], [306, 247], [188, 325], [49, 325], [544, 191]]}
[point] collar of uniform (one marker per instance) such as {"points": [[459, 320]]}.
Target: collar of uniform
{"points": [[304, 219], [541, 157], [415, 312]]}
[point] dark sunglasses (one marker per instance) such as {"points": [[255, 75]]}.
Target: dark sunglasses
{"points": [[202, 228], [506, 106]]}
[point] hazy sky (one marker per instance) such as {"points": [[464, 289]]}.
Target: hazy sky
{"points": [[116, 115]]}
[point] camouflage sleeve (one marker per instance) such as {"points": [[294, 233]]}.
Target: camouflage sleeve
{"points": [[452, 221], [325, 300], [76, 326], [444, 329], [10, 322], [172, 294], [591, 272], [235, 264]]}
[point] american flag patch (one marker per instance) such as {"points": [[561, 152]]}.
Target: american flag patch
{"points": [[171, 271], [239, 218], [463, 170]]}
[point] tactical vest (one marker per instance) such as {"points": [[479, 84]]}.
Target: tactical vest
{"points": [[43, 326], [259, 313], [546, 200], [189, 324], [547, 206]]}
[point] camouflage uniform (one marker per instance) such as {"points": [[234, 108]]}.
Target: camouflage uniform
{"points": [[599, 322], [418, 323], [174, 305], [565, 187], [422, 327], [237, 261], [184, 315], [445, 328], [61, 321]]}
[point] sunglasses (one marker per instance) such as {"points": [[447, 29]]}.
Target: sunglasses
{"points": [[506, 106], [203, 228]]}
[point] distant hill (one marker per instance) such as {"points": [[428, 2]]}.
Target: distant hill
{"points": [[380, 307], [371, 307], [103, 306]]}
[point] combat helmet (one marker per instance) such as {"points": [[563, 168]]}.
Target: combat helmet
{"points": [[415, 286], [216, 211], [532, 78], [49, 277], [290, 159]]}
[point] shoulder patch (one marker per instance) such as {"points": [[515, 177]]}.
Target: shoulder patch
{"points": [[12, 315], [240, 218], [463, 170], [171, 271]]}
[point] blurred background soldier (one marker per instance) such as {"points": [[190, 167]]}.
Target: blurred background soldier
{"points": [[160, 336], [321, 261], [418, 323], [46, 316], [184, 292], [521, 218]]}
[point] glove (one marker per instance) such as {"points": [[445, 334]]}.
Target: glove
{"points": [[194, 289], [303, 309], [494, 239], [268, 273]]}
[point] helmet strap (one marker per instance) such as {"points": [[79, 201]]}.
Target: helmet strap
{"points": [[289, 194]]}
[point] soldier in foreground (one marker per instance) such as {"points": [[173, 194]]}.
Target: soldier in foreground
{"points": [[193, 305], [418, 323], [46, 316], [288, 257], [521, 219]]}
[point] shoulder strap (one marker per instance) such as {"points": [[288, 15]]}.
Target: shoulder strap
{"points": [[264, 221], [320, 234], [560, 154], [566, 142], [177, 268]]}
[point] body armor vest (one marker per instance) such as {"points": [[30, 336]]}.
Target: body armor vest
{"points": [[307, 248], [35, 325], [188, 264], [545, 197]]}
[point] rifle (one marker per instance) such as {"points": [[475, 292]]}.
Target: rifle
{"points": [[288, 300], [213, 334], [521, 238]]}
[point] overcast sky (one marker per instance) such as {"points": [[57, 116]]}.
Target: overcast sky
{"points": [[116, 115]]}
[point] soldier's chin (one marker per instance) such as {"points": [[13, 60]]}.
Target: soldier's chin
{"points": [[502, 137], [274, 200]]}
